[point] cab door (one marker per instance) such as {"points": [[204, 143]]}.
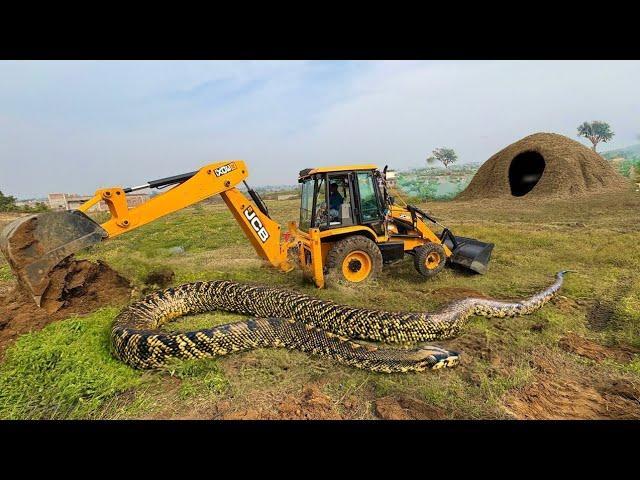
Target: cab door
{"points": [[341, 206], [369, 210]]}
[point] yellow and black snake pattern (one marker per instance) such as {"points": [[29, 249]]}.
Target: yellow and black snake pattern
{"points": [[285, 318]]}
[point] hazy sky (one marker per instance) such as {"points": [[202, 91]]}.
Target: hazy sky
{"points": [[77, 126]]}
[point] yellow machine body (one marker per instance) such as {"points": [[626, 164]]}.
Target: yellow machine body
{"points": [[56, 235]]}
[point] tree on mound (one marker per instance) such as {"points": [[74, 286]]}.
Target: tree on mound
{"points": [[596, 132], [543, 165]]}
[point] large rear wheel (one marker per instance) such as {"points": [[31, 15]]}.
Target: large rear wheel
{"points": [[354, 259]]}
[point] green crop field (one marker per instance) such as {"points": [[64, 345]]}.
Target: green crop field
{"points": [[538, 366]]}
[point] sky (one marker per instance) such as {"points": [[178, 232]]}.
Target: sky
{"points": [[75, 126]]}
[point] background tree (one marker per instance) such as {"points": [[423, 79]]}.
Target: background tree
{"points": [[444, 155], [596, 132], [7, 203]]}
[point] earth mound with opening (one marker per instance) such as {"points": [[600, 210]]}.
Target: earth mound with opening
{"points": [[76, 287], [543, 165]]}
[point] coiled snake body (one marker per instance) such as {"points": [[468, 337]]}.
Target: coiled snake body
{"points": [[294, 320]]}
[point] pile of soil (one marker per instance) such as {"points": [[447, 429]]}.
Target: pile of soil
{"points": [[543, 165], [158, 279], [583, 347], [559, 392], [407, 408], [162, 277], [76, 287], [311, 404]]}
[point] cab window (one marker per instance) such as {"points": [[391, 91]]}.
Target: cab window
{"points": [[321, 217], [306, 204], [369, 210], [339, 201]]}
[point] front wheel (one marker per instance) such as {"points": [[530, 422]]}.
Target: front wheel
{"points": [[429, 259], [353, 259]]}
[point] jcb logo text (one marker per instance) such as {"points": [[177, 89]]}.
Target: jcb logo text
{"points": [[223, 170], [256, 224]]}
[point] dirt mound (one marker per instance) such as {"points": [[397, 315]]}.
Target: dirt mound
{"points": [[543, 165], [573, 343], [450, 294], [407, 408], [311, 404], [77, 287], [158, 279], [558, 391], [161, 277]]}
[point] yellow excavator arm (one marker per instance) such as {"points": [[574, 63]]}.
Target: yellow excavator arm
{"points": [[219, 178], [35, 244]]}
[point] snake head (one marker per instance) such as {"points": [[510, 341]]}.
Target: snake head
{"points": [[433, 358], [562, 273]]}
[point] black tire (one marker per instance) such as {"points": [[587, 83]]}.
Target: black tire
{"points": [[345, 248], [429, 259]]}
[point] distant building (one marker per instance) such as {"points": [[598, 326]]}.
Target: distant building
{"points": [[57, 201], [71, 201], [391, 178], [32, 202]]}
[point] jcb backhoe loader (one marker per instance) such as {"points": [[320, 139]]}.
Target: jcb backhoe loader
{"points": [[349, 226]]}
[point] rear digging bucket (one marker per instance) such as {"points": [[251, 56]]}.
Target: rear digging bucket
{"points": [[34, 244], [469, 253]]}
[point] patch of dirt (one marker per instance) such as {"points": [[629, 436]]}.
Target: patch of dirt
{"points": [[311, 404], [475, 345], [161, 277], [573, 343], [561, 391], [23, 242], [601, 313], [454, 293], [539, 327], [566, 304], [407, 408], [77, 287], [622, 388], [600, 316], [158, 279]]}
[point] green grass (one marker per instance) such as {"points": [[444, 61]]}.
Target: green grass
{"points": [[5, 272], [199, 377], [67, 371], [64, 371]]}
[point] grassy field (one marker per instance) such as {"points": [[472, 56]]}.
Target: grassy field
{"points": [[66, 370]]}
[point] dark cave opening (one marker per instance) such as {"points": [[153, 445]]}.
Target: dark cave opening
{"points": [[524, 172]]}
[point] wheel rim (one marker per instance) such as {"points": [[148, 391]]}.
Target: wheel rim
{"points": [[432, 261], [356, 266]]}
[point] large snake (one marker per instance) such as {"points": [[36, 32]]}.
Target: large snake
{"points": [[294, 320]]}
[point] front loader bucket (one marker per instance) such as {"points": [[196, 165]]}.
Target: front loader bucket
{"points": [[34, 244], [470, 253]]}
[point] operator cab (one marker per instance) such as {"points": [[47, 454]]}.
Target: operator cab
{"points": [[336, 197]]}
